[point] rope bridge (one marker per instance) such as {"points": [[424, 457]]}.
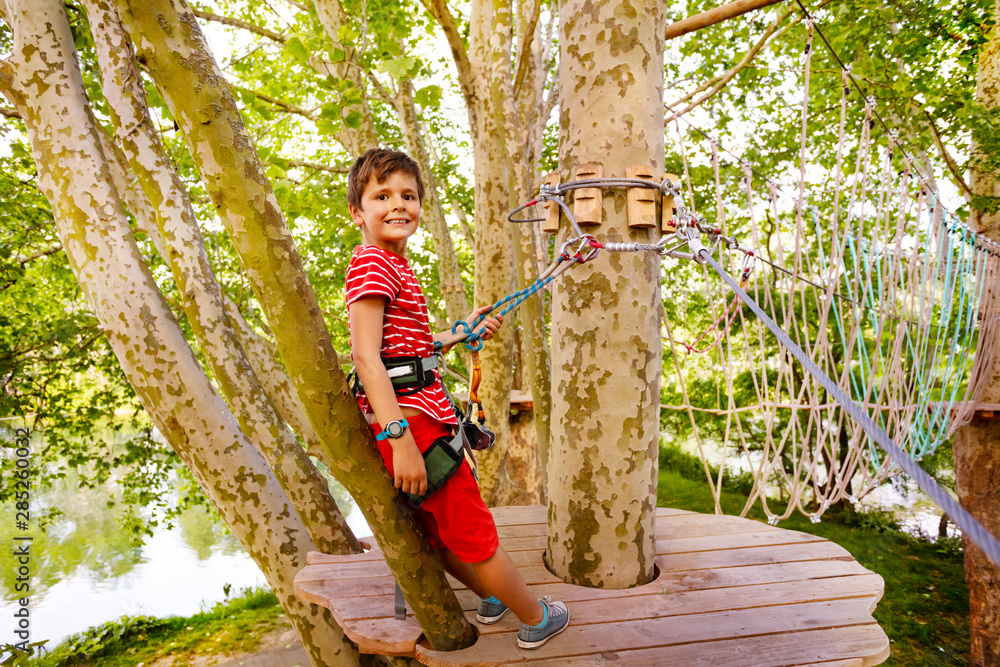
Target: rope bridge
{"points": [[884, 290]]}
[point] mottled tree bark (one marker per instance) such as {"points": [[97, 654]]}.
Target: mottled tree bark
{"points": [[532, 113], [607, 352], [171, 46], [504, 122], [489, 61], [976, 449], [203, 301], [432, 211], [42, 78]]}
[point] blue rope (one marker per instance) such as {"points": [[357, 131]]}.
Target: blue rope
{"points": [[473, 340]]}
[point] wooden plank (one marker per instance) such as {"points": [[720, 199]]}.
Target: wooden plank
{"points": [[668, 212], [591, 606], [500, 649], [678, 546], [322, 589], [782, 650], [785, 553], [722, 579], [552, 210]]}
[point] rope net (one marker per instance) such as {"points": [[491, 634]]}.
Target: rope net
{"points": [[889, 293]]}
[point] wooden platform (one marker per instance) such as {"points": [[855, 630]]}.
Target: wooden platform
{"points": [[730, 591]]}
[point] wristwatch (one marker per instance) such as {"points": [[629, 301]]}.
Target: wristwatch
{"points": [[394, 429]]}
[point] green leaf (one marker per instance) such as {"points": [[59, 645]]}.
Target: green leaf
{"points": [[296, 50], [347, 34], [398, 68], [428, 96], [326, 127], [353, 120]]}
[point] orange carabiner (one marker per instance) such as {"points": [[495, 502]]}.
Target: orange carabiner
{"points": [[477, 377]]}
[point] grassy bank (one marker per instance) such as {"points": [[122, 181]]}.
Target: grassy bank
{"points": [[925, 608], [233, 626]]}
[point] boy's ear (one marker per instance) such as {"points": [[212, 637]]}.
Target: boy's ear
{"points": [[356, 215]]}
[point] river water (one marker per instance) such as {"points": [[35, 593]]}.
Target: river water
{"points": [[85, 569]]}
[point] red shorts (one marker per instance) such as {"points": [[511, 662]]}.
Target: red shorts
{"points": [[455, 516]]}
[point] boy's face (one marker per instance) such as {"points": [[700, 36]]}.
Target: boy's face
{"points": [[389, 212]]}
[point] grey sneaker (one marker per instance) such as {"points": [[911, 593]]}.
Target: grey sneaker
{"points": [[491, 611], [556, 620]]}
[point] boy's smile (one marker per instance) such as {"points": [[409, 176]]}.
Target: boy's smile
{"points": [[390, 212]]}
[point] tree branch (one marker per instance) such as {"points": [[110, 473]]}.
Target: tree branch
{"points": [[9, 113], [713, 16], [523, 44], [384, 94], [38, 255], [953, 167], [439, 10], [239, 23], [331, 168], [716, 84], [281, 104]]}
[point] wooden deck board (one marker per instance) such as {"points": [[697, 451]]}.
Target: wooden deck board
{"points": [[728, 589]]}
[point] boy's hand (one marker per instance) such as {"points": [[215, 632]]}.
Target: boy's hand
{"points": [[409, 473], [489, 326]]}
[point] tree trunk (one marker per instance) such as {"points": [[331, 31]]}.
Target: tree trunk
{"points": [[432, 211], [170, 44], [525, 145], [42, 78], [203, 301], [977, 455], [606, 347], [490, 31]]}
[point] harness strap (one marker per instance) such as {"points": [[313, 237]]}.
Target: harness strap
{"points": [[407, 374]]}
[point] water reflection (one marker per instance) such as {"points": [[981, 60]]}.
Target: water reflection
{"points": [[86, 570]]}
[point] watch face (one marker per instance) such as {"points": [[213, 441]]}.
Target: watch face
{"points": [[394, 429]]}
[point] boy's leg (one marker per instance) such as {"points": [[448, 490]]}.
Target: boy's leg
{"points": [[500, 577], [464, 572]]}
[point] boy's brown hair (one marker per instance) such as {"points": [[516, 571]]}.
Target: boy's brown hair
{"points": [[379, 163]]}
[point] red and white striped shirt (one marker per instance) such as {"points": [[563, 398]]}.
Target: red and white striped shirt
{"points": [[406, 330]]}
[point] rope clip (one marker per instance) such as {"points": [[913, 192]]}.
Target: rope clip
{"points": [[585, 242]]}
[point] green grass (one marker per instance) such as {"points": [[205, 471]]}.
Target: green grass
{"points": [[236, 625], [925, 608]]}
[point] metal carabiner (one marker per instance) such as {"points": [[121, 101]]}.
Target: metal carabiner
{"points": [[595, 247]]}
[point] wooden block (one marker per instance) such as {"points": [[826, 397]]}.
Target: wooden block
{"points": [[669, 211], [588, 202], [552, 210], [641, 201]]}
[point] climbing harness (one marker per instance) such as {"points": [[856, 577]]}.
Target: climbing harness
{"points": [[407, 374]]}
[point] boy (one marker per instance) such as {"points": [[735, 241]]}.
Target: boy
{"points": [[388, 318]]}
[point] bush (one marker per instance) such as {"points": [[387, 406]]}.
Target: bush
{"points": [[689, 466]]}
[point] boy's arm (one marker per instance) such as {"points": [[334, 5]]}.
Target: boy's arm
{"points": [[410, 475]]}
